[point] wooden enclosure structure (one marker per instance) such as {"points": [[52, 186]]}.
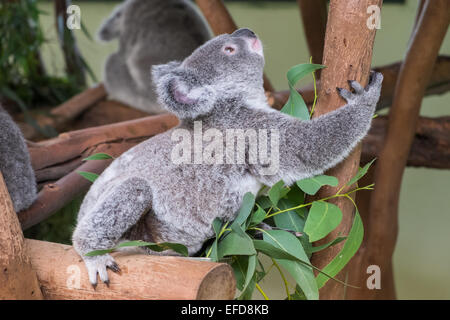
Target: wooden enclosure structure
{"points": [[335, 38]]}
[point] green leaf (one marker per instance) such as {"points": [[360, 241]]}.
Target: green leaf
{"points": [[98, 156], [296, 195], [361, 173], [302, 273], [98, 252], [295, 106], [248, 292], [277, 192], [264, 202], [323, 218], [289, 220], [234, 244], [158, 247], [312, 185], [351, 246], [246, 208], [238, 229], [329, 244], [88, 175], [239, 265], [217, 226], [258, 216]]}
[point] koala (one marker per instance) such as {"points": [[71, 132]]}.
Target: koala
{"points": [[15, 164], [150, 32], [149, 194]]}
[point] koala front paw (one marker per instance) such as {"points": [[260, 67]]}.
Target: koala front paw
{"points": [[98, 265], [364, 96]]}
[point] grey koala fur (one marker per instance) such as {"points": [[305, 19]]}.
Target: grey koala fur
{"points": [[150, 32], [15, 164], [144, 195]]}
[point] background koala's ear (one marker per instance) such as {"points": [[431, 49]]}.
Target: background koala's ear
{"points": [[161, 70]]}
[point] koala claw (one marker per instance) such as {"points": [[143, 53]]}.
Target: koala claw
{"points": [[98, 265], [367, 96]]}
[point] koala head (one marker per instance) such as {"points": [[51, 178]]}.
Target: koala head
{"points": [[229, 66], [112, 26]]}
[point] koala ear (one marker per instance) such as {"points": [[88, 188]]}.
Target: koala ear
{"points": [[180, 91]]}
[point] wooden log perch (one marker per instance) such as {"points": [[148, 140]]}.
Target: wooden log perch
{"points": [[62, 275], [18, 280], [346, 57], [414, 75], [221, 22]]}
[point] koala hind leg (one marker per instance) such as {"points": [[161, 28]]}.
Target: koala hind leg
{"points": [[104, 226]]}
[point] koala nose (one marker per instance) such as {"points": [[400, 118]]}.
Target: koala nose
{"points": [[244, 32]]}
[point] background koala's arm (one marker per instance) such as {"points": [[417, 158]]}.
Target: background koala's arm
{"points": [[15, 164], [104, 224], [308, 148]]}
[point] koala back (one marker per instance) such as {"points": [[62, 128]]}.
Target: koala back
{"points": [[15, 164]]}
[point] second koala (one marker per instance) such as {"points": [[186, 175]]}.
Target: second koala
{"points": [[148, 194], [150, 32], [15, 164]]}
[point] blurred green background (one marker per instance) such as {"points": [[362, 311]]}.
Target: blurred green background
{"points": [[422, 256]]}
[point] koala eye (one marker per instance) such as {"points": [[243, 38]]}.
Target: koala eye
{"points": [[229, 49]]}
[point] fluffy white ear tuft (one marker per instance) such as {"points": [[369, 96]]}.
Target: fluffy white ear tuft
{"points": [[180, 91]]}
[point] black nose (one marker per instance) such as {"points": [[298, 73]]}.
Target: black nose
{"points": [[244, 32]]}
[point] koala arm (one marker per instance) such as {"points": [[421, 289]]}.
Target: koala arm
{"points": [[105, 224], [308, 148]]}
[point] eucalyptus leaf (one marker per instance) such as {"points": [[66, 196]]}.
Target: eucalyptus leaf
{"points": [[303, 274], [258, 216], [246, 208], [323, 218], [98, 156], [158, 247], [88, 175], [361, 173], [289, 220], [234, 244], [312, 185], [277, 192], [295, 106], [329, 244], [351, 246]]}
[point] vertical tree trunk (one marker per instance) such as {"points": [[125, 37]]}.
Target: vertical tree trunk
{"points": [[414, 75], [17, 278], [314, 18], [74, 65], [347, 56]]}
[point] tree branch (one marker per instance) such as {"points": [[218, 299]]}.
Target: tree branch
{"points": [[314, 18], [346, 57], [17, 280], [414, 75]]}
